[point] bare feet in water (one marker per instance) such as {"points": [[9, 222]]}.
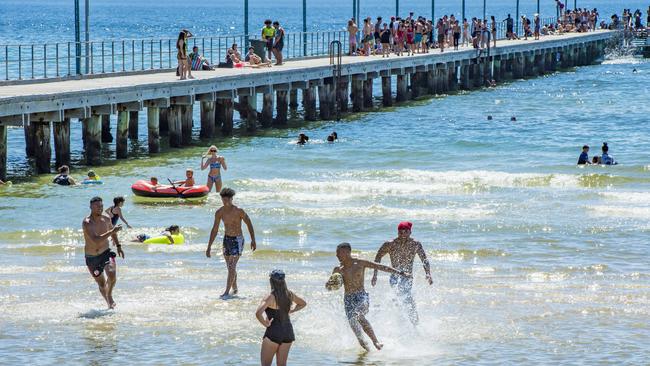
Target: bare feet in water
{"points": [[379, 346]]}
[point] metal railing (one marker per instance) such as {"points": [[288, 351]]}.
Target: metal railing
{"points": [[53, 60]]}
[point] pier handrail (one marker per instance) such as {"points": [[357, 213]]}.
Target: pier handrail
{"points": [[59, 60]]}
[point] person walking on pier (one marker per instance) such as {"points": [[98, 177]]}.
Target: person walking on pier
{"points": [[233, 238], [97, 229], [510, 28], [215, 162], [402, 251], [277, 306], [356, 300]]}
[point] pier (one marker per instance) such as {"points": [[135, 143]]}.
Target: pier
{"points": [[48, 109]]}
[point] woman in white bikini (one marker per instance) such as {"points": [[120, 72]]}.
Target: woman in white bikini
{"points": [[215, 162]]}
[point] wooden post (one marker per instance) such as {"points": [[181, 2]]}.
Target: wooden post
{"points": [[3, 152], [309, 103], [93, 140], [402, 88], [242, 106], [266, 116], [133, 125], [175, 128], [106, 128], [42, 147], [540, 60], [357, 95], [282, 106], [453, 76], [207, 120], [529, 65], [465, 83], [29, 140], [387, 97], [518, 66], [251, 113], [224, 115], [367, 93], [163, 121], [84, 133], [62, 142], [186, 124], [343, 95], [293, 99], [153, 129], [121, 145], [431, 82], [415, 81], [323, 102]]}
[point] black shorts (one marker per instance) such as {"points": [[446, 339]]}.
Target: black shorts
{"points": [[441, 38], [279, 46], [233, 245], [97, 263]]}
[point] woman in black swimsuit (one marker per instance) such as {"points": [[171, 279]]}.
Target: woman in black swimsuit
{"points": [[115, 211], [279, 332]]}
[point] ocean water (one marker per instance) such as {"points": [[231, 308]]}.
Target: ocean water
{"points": [[535, 260]]}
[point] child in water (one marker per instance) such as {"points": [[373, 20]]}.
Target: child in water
{"points": [[92, 176], [172, 230]]}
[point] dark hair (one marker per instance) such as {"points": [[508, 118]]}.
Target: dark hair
{"points": [[330, 138], [283, 297], [172, 228], [63, 168], [605, 147], [344, 246], [585, 146], [195, 47], [181, 36], [227, 192], [118, 200], [276, 23], [268, 21], [95, 199]]}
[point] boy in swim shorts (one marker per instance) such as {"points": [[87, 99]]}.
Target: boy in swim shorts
{"points": [[233, 239], [356, 299]]}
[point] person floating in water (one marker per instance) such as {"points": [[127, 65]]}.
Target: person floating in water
{"points": [[189, 179], [92, 176], [402, 251], [356, 299], [583, 159], [302, 139], [332, 137], [115, 212], [605, 158], [277, 306], [169, 233], [97, 228], [63, 178], [233, 238], [215, 162]]}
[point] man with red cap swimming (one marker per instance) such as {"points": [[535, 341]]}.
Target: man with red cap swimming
{"points": [[402, 251]]}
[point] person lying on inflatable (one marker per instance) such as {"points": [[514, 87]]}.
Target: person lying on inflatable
{"points": [[171, 235]]}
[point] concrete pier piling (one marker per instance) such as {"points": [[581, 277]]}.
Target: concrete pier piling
{"points": [[133, 125], [386, 89], [367, 93], [153, 129], [42, 147], [107, 136], [342, 92], [207, 119], [164, 121], [175, 130], [121, 146], [309, 103], [187, 121], [62, 142], [93, 146], [402, 93], [29, 140], [266, 115], [224, 110], [324, 107], [357, 92], [281, 107]]}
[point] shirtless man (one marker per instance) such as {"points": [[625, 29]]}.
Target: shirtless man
{"points": [[402, 251], [356, 298], [233, 239], [97, 229]]}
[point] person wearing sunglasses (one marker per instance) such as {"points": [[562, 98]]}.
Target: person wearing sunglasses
{"points": [[215, 163]]}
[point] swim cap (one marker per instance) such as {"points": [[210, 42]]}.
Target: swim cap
{"points": [[404, 225], [277, 274]]}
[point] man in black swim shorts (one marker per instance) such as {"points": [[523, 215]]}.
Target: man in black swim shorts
{"points": [[97, 228], [233, 239]]}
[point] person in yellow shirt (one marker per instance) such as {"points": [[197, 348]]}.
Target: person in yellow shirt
{"points": [[268, 35]]}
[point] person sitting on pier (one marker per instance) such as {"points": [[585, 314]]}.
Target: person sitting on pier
{"points": [[302, 139], [199, 62], [254, 60], [189, 179], [63, 178], [583, 159]]}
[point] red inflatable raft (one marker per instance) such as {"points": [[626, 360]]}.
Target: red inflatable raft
{"points": [[143, 188]]}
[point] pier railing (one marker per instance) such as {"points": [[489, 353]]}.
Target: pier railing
{"points": [[64, 59]]}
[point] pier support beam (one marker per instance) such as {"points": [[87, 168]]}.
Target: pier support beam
{"points": [[465, 77], [207, 120], [62, 142], [164, 121], [133, 125], [224, 110], [29, 140], [387, 97], [367, 93], [414, 86], [324, 104], [3, 153], [121, 146], [266, 116], [529, 69], [452, 84], [518, 66], [175, 129], [343, 95], [187, 122], [107, 136], [42, 147], [309, 103], [431, 81], [93, 145], [293, 100], [402, 88], [357, 94], [281, 107], [153, 129]]}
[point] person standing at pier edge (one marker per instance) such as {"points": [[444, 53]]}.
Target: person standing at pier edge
{"points": [[278, 43], [97, 228], [233, 238], [494, 31], [215, 162], [268, 35], [277, 306], [402, 251], [356, 299], [352, 35], [510, 26], [184, 70], [537, 26]]}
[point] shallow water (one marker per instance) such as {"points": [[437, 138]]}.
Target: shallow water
{"points": [[535, 260]]}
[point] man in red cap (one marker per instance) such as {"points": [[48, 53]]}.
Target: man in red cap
{"points": [[402, 251]]}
